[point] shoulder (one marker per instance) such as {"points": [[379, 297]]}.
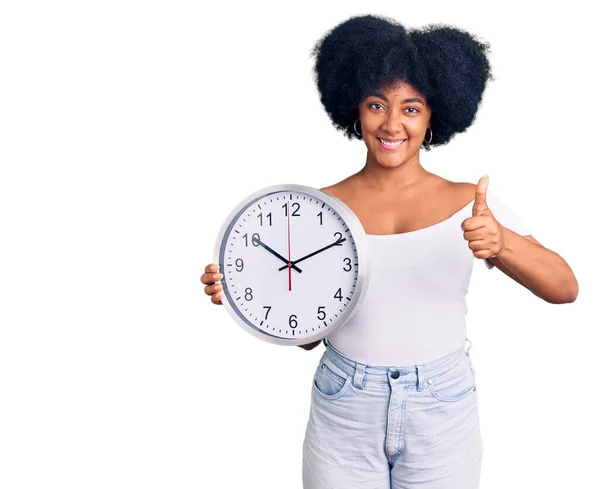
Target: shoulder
{"points": [[456, 194], [447, 190], [343, 189]]}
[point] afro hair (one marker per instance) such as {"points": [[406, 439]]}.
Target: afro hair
{"points": [[448, 66]]}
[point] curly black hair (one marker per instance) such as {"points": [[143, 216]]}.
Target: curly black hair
{"points": [[447, 65]]}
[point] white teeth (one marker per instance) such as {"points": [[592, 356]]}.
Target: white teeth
{"points": [[393, 145]]}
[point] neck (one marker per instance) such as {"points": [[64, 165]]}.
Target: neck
{"points": [[383, 178]]}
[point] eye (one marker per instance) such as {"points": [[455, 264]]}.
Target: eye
{"points": [[375, 103], [414, 108]]}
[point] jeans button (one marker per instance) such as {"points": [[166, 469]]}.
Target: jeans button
{"points": [[395, 374]]}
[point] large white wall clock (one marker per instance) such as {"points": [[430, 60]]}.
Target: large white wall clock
{"points": [[294, 264]]}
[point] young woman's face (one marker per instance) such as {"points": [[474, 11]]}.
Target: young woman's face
{"points": [[393, 124]]}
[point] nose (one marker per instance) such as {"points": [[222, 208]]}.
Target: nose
{"points": [[393, 122]]}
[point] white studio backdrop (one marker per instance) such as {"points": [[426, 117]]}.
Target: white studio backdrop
{"points": [[129, 130]]}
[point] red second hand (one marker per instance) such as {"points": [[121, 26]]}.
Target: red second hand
{"points": [[289, 252]]}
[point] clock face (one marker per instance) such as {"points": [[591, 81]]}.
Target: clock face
{"points": [[290, 265]]}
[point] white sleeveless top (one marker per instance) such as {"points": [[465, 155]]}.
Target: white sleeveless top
{"points": [[415, 305]]}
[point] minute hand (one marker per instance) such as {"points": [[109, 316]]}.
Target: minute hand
{"points": [[335, 243]]}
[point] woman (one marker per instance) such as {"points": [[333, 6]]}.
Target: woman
{"points": [[394, 399]]}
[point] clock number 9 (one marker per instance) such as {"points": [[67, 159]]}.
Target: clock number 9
{"points": [[239, 266], [293, 321]]}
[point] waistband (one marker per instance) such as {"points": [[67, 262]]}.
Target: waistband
{"points": [[418, 374]]}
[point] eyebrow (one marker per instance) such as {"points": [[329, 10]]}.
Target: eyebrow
{"points": [[405, 101]]}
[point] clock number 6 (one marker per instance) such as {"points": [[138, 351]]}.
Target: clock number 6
{"points": [[293, 321]]}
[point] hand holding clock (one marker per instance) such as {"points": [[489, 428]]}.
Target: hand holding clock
{"points": [[209, 278]]}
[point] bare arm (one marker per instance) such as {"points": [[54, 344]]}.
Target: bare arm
{"points": [[542, 271]]}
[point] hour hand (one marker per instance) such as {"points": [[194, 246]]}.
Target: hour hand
{"points": [[337, 242], [256, 241]]}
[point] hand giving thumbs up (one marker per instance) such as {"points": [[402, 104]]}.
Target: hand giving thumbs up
{"points": [[484, 234]]}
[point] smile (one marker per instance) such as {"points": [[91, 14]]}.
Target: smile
{"points": [[390, 145]]}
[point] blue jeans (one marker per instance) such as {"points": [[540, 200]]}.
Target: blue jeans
{"points": [[393, 427]]}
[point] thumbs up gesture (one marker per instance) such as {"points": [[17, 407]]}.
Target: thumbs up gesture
{"points": [[484, 234]]}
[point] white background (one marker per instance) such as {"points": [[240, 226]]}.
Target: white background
{"points": [[129, 130]]}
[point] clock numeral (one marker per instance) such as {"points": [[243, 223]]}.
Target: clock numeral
{"points": [[338, 294], [320, 214], [260, 217], [293, 321], [239, 265], [255, 239], [248, 296], [319, 312], [348, 264], [338, 236], [268, 311], [295, 205]]}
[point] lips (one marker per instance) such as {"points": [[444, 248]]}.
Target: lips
{"points": [[391, 144]]}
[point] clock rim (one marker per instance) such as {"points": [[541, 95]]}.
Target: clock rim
{"points": [[358, 234]]}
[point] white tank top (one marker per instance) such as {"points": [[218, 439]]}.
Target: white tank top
{"points": [[415, 305]]}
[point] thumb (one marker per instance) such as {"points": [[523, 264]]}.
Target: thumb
{"points": [[480, 204]]}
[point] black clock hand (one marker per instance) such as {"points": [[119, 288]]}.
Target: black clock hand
{"points": [[336, 243], [271, 250]]}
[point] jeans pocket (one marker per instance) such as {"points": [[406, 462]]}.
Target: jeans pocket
{"points": [[330, 382], [454, 384]]}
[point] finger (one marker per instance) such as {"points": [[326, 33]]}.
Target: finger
{"points": [[484, 254], [212, 289], [473, 235], [480, 203], [216, 298], [210, 278], [477, 245], [474, 223], [212, 267]]}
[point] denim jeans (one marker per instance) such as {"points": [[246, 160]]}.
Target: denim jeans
{"points": [[393, 427]]}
